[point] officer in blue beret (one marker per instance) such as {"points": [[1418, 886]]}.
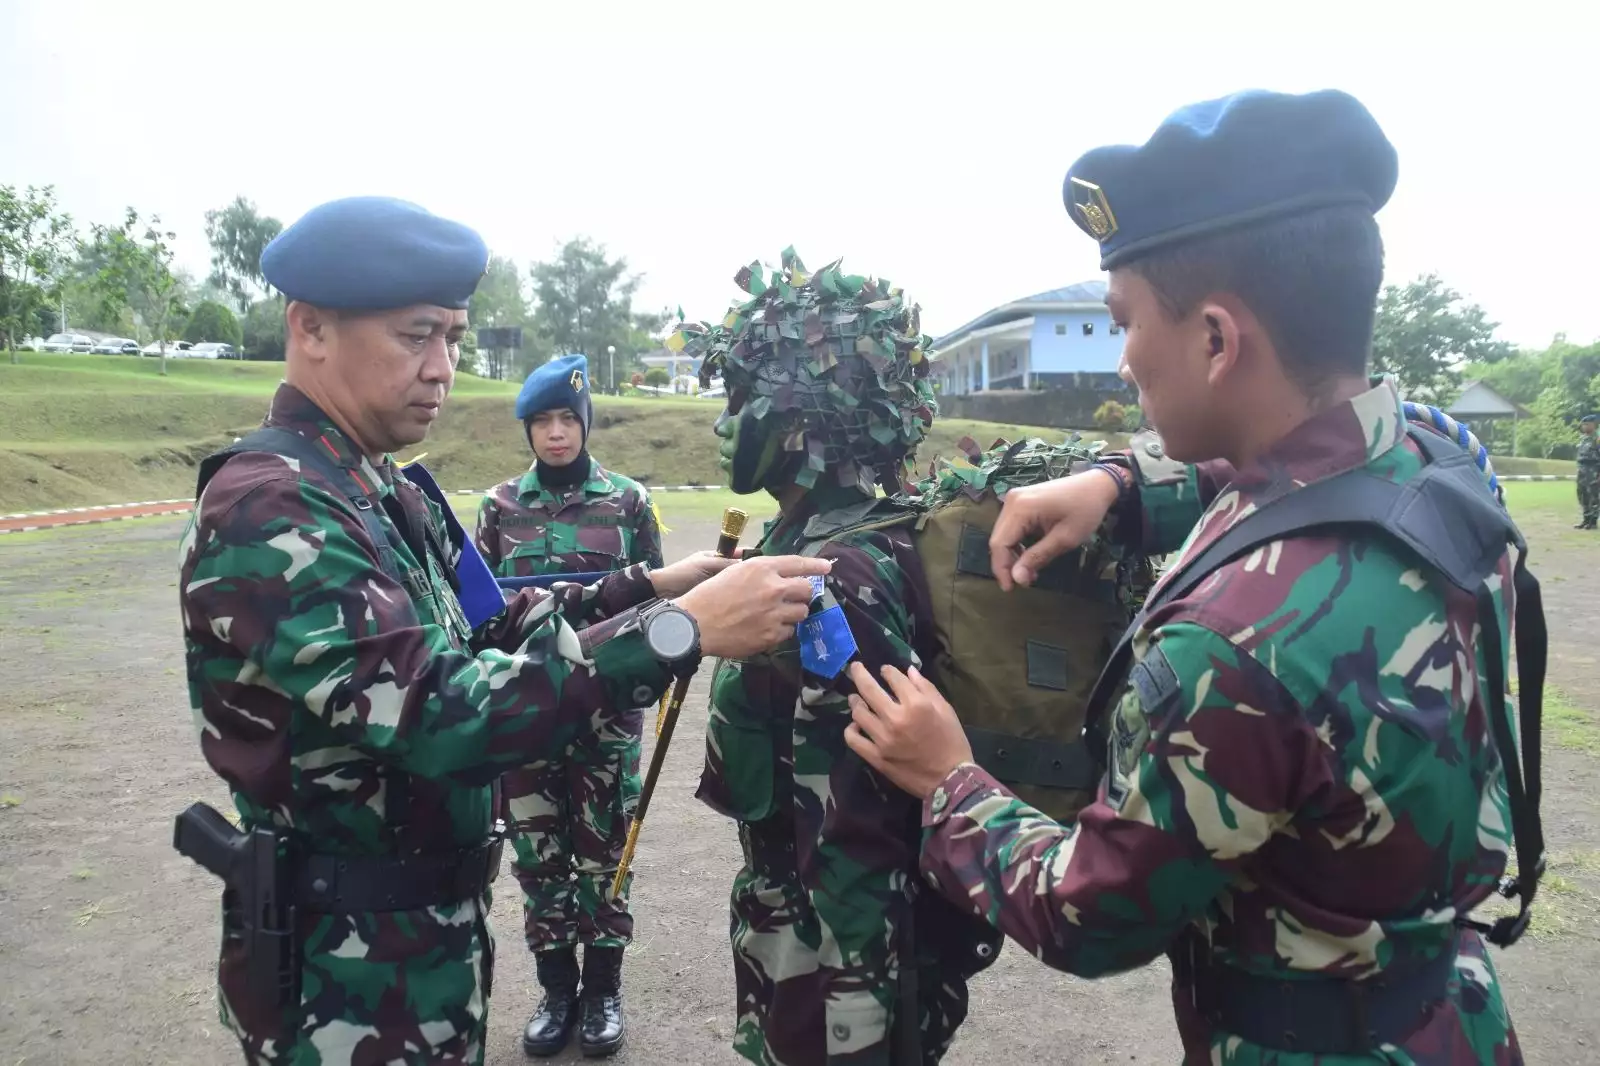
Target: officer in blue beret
{"points": [[361, 683], [569, 813], [1304, 730]]}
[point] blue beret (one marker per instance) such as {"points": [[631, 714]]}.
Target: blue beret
{"points": [[1229, 162], [1590, 418], [373, 253], [562, 382]]}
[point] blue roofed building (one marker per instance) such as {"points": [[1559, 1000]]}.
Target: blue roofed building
{"points": [[1057, 339]]}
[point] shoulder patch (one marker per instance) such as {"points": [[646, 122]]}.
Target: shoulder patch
{"points": [[1151, 691]]}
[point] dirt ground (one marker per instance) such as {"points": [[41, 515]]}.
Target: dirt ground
{"points": [[108, 938]]}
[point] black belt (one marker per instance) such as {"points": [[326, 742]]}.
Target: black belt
{"points": [[1318, 1016], [344, 884]]}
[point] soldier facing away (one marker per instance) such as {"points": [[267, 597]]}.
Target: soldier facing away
{"points": [[1589, 472], [357, 713], [1311, 778], [568, 815]]}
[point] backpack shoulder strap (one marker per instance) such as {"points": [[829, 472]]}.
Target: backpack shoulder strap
{"points": [[291, 445], [1446, 517]]}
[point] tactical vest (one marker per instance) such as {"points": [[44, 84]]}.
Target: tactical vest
{"points": [[473, 597], [1018, 666]]}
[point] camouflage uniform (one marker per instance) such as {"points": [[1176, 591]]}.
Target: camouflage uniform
{"points": [[569, 815], [822, 906], [1589, 478], [1302, 780], [361, 717]]}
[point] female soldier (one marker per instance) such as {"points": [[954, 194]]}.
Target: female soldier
{"points": [[569, 816]]}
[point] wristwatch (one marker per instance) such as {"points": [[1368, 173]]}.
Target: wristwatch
{"points": [[672, 636]]}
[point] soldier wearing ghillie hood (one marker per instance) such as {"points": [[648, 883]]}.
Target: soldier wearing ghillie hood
{"points": [[838, 957]]}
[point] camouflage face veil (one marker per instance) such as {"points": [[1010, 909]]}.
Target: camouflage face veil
{"points": [[833, 367]]}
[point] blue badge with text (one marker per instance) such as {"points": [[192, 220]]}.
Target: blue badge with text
{"points": [[826, 643], [817, 587]]}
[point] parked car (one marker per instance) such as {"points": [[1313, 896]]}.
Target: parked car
{"points": [[116, 346], [212, 350], [173, 348], [67, 342]]}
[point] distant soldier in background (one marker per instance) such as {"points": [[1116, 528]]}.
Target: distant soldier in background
{"points": [[1589, 472], [568, 815]]}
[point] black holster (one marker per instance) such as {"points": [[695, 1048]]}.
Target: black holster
{"points": [[257, 909]]}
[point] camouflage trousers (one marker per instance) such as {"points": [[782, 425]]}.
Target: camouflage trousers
{"points": [[407, 987], [568, 819], [1589, 492], [781, 980]]}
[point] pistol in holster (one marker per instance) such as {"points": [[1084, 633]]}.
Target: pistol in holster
{"points": [[257, 909]]}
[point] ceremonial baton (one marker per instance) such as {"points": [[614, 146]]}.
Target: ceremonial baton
{"points": [[733, 521]]}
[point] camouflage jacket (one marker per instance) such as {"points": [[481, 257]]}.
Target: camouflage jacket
{"points": [[777, 762], [361, 717], [1589, 450], [607, 523], [1309, 784]]}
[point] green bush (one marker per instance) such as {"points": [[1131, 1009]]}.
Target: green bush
{"points": [[1111, 415], [657, 376], [213, 322]]}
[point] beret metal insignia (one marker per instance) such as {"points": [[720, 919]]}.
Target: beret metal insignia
{"points": [[1091, 205], [576, 381]]}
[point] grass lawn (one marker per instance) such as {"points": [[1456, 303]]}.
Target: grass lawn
{"points": [[79, 430]]}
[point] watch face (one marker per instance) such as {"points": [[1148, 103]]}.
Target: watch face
{"points": [[671, 635]]}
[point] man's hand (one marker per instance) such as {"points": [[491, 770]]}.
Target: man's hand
{"points": [[686, 573], [753, 606], [912, 737], [1063, 514]]}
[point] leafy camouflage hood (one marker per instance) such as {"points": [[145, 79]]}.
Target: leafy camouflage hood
{"points": [[1030, 461], [835, 364]]}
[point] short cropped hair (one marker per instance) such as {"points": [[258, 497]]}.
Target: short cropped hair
{"points": [[1312, 279]]}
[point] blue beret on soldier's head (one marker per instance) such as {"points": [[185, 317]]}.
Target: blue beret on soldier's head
{"points": [[562, 382], [1590, 418], [1226, 163], [374, 253]]}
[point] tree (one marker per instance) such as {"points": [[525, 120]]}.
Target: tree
{"points": [[136, 263], [500, 300], [584, 303], [657, 376], [213, 322], [265, 332], [238, 235], [35, 240], [1425, 332]]}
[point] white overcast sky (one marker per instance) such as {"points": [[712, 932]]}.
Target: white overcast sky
{"points": [[696, 135]]}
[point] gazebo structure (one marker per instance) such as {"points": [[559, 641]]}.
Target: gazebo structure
{"points": [[1480, 406]]}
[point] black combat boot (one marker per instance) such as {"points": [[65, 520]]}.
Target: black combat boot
{"points": [[601, 1034], [551, 1025]]}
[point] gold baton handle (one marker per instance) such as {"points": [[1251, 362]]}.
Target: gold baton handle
{"points": [[733, 522]]}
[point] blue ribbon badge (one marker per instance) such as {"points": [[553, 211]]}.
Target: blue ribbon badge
{"points": [[826, 643]]}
